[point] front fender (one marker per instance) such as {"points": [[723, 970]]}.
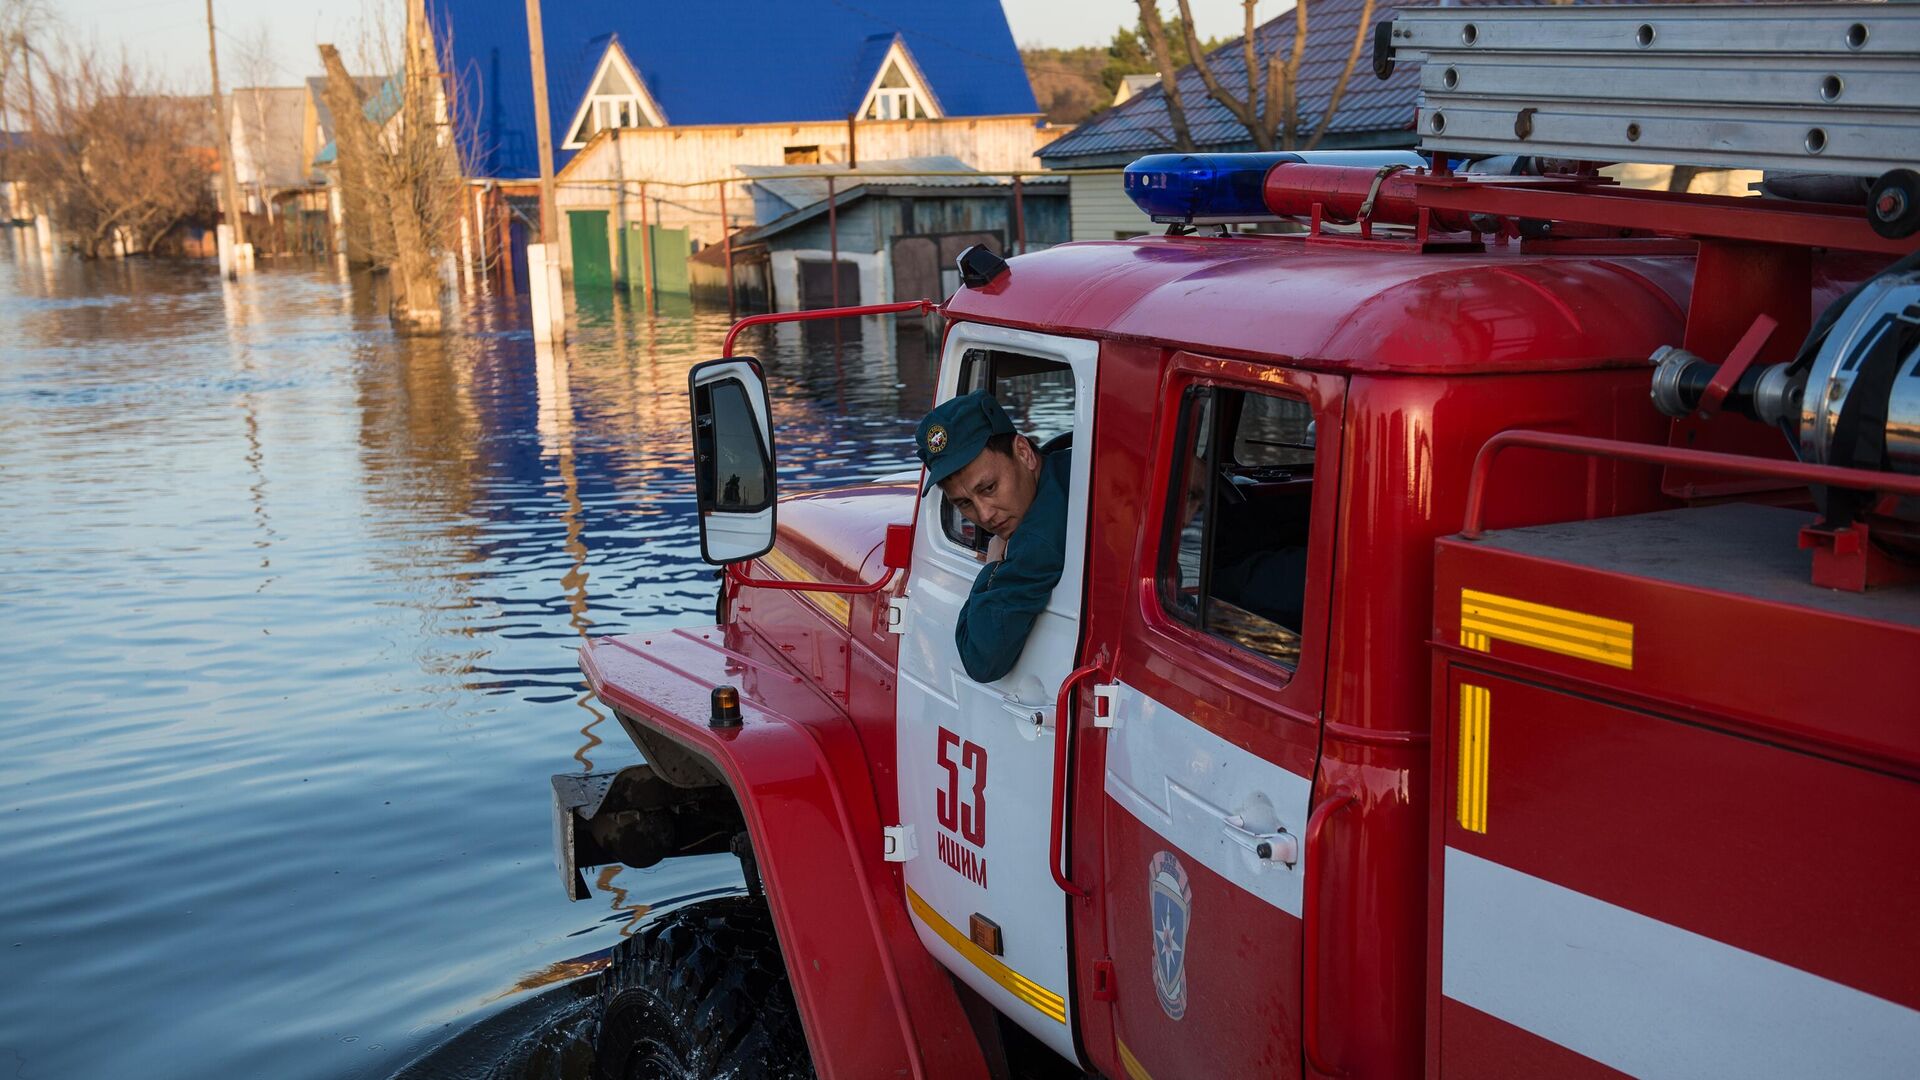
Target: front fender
{"points": [[873, 1001]]}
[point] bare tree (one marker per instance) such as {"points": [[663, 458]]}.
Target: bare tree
{"points": [[1270, 111], [118, 160], [402, 163], [23, 25], [1156, 34]]}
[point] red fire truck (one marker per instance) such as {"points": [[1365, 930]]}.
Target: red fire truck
{"points": [[1487, 639]]}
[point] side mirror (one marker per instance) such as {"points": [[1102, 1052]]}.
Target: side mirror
{"points": [[732, 459]]}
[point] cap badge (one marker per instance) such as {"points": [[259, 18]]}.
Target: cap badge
{"points": [[936, 439]]}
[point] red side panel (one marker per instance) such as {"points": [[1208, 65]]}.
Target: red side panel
{"points": [[874, 1002], [1627, 877]]}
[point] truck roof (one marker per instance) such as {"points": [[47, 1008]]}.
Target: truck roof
{"points": [[1362, 310]]}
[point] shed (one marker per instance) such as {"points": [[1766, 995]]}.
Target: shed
{"points": [[895, 231]]}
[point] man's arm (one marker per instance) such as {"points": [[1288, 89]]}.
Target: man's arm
{"points": [[1006, 598]]}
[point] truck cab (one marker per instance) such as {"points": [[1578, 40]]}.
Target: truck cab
{"points": [[1388, 570]]}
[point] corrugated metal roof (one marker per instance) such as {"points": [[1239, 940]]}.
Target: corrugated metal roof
{"points": [[1141, 125], [723, 61], [783, 201]]}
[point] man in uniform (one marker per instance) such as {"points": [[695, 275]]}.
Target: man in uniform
{"points": [[1000, 482]]}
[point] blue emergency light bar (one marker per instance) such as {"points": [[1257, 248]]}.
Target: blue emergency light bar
{"points": [[1221, 189]]}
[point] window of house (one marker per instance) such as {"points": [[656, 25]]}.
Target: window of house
{"points": [[1038, 397], [896, 96], [801, 155], [617, 100], [1234, 552]]}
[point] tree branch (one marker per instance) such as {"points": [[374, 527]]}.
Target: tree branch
{"points": [[1169, 75], [1346, 73], [1242, 111]]}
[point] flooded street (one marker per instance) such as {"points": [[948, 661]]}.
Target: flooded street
{"points": [[288, 631]]}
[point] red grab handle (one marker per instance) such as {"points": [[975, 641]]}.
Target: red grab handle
{"points": [[1062, 732], [918, 306], [1335, 801]]}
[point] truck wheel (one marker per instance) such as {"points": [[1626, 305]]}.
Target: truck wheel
{"points": [[701, 992]]}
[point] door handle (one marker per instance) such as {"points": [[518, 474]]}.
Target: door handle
{"points": [[1280, 847], [1028, 715]]}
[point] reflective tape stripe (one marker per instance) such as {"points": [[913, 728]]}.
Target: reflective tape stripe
{"points": [[1569, 633], [1648, 998], [1476, 714], [1049, 1004], [836, 605], [1135, 1070]]}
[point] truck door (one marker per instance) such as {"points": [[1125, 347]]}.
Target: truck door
{"points": [[975, 759], [1215, 713]]}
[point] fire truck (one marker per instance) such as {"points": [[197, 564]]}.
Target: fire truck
{"points": [[1487, 639]]}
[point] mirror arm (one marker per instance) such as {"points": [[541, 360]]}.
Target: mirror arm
{"points": [[739, 577], [917, 306]]}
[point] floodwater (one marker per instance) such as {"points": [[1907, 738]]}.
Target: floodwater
{"points": [[288, 612]]}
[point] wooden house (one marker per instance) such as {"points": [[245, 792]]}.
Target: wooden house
{"points": [[649, 101]]}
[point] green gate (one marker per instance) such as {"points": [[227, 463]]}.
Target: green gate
{"points": [[670, 250], [592, 262]]}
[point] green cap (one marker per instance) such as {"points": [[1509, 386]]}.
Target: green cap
{"points": [[955, 432]]}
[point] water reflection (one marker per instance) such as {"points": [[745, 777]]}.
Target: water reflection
{"points": [[292, 607]]}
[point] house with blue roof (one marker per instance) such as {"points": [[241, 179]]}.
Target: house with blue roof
{"points": [[649, 102]]}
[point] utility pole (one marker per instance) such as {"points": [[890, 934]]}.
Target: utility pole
{"points": [[543, 260], [223, 129], [543, 131]]}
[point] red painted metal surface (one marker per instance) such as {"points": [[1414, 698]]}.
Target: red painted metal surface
{"points": [[1768, 221], [1378, 342], [1737, 363], [873, 1001], [1658, 788], [1316, 858], [1295, 189], [1063, 718], [1277, 300], [917, 306], [1796, 471], [739, 577]]}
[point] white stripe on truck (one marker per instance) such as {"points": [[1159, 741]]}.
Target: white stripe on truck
{"points": [[1651, 999]]}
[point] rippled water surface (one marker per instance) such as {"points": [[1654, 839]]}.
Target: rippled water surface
{"points": [[288, 612]]}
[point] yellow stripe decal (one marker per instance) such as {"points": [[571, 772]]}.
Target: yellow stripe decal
{"points": [[1135, 1070], [836, 605], [1569, 633], [1476, 642], [1050, 1005], [1476, 712]]}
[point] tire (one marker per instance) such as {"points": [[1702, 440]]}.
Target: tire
{"points": [[701, 993]]}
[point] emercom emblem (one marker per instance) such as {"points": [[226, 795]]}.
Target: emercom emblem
{"points": [[1172, 904]]}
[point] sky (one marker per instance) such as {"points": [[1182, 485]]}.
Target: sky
{"points": [[172, 34]]}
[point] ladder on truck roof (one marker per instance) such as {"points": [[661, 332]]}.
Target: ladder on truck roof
{"points": [[1823, 88]]}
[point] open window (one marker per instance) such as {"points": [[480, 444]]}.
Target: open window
{"points": [[1037, 394], [1234, 552]]}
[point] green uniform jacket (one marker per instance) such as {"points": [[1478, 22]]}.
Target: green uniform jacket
{"points": [[1009, 594]]}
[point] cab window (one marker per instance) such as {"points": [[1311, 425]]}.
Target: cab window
{"points": [[1038, 396], [1234, 551]]}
